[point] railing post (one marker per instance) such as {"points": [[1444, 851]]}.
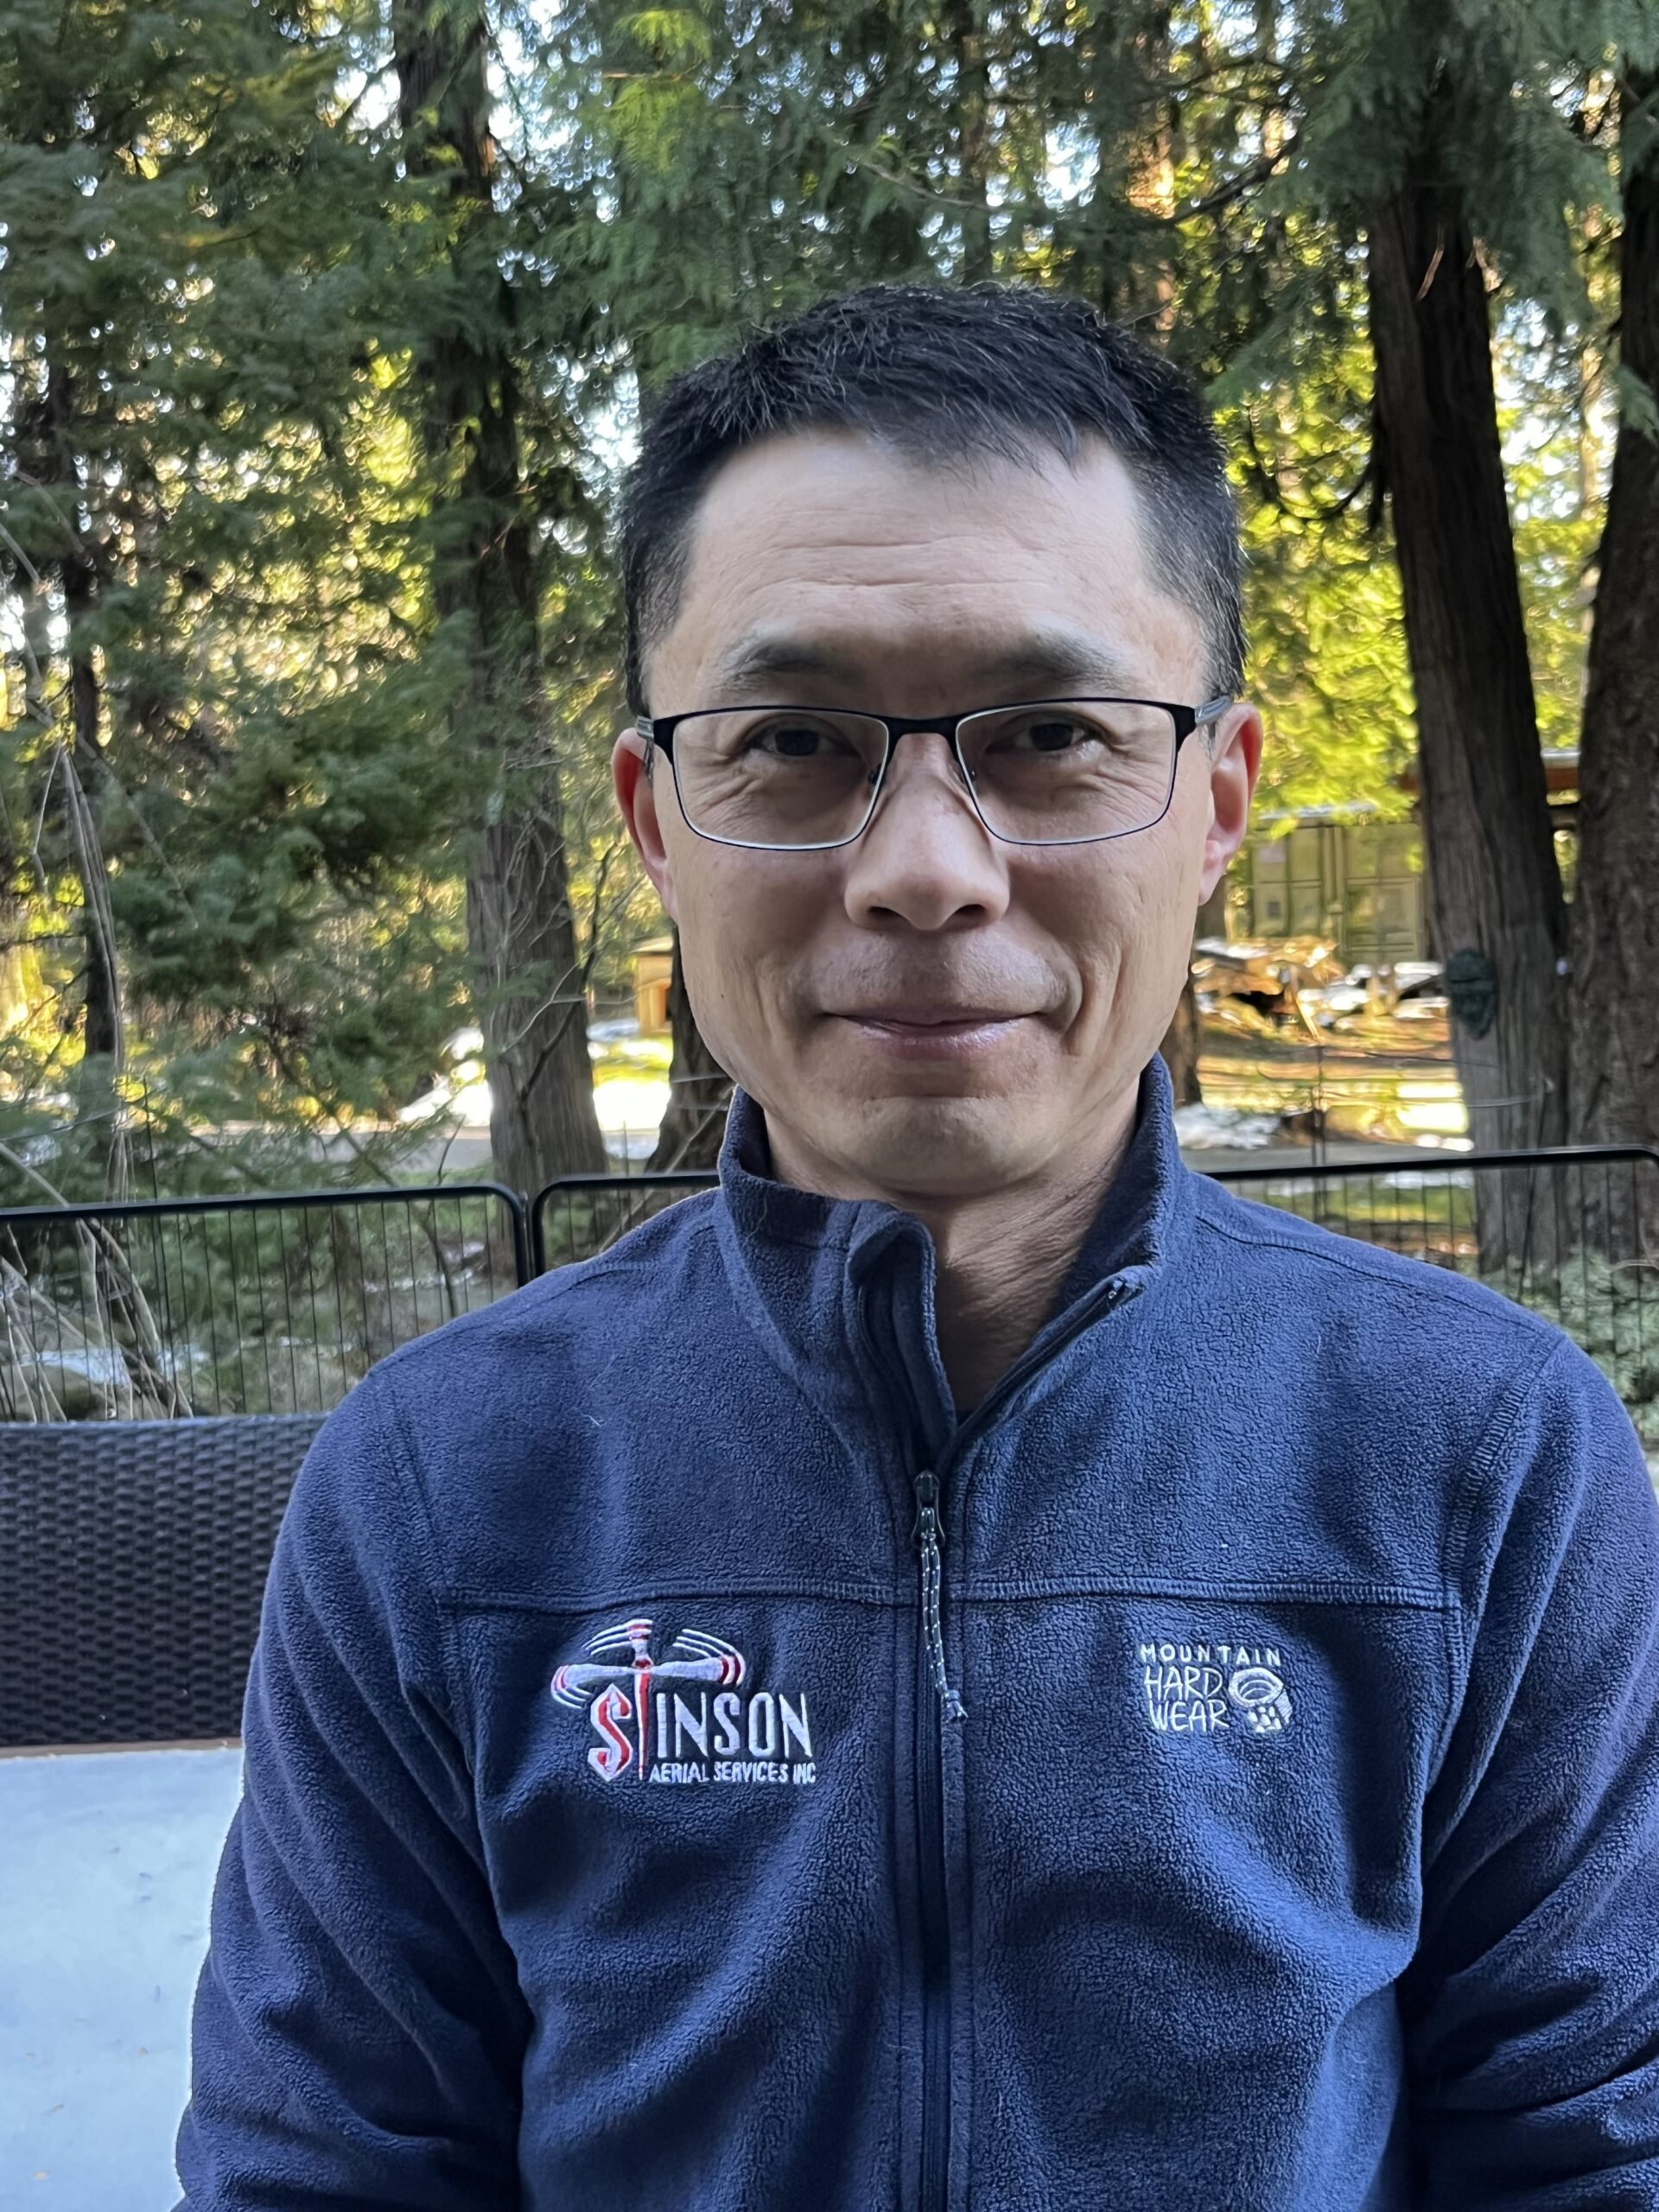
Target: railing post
{"points": [[517, 1209]]}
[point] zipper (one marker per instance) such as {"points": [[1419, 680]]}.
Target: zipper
{"points": [[929, 1533], [927, 1544], [931, 1924], [938, 1703]]}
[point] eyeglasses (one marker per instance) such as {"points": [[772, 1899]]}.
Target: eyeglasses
{"points": [[1043, 771]]}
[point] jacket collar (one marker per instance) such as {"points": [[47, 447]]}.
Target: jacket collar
{"points": [[800, 1261]]}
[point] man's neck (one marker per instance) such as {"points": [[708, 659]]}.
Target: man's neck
{"points": [[1002, 1257]]}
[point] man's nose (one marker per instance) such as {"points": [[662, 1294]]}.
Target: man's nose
{"points": [[927, 858]]}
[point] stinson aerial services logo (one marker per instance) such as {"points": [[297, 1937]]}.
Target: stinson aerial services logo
{"points": [[688, 1716]]}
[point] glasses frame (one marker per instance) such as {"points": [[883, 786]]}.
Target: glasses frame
{"points": [[658, 732]]}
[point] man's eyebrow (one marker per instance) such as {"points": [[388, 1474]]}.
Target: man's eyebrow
{"points": [[1044, 657], [1052, 657], [764, 655]]}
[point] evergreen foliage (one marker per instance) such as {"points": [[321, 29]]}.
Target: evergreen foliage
{"points": [[242, 791], [208, 514]]}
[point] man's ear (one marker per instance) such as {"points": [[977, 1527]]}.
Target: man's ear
{"points": [[636, 769], [1233, 766]]}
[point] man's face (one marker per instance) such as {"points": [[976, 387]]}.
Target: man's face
{"points": [[929, 1013]]}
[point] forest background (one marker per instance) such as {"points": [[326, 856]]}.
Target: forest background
{"points": [[323, 335]]}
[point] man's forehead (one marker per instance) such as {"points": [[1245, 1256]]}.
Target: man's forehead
{"points": [[849, 490], [820, 555]]}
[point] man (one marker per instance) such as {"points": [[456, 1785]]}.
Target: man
{"points": [[949, 1672]]}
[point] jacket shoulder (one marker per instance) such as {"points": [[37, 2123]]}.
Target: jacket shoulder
{"points": [[646, 1268], [1311, 1264]]}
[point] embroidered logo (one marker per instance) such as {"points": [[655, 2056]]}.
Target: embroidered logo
{"points": [[686, 1717], [1192, 1689]]}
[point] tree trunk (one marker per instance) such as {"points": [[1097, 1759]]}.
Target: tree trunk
{"points": [[99, 1102], [1153, 163], [1183, 1040], [1615, 917], [1499, 914], [965, 32], [532, 1005], [1180, 1048], [1124, 262], [700, 1091], [100, 1109], [48, 442]]}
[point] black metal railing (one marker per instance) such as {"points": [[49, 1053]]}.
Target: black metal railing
{"points": [[274, 1304], [578, 1216]]}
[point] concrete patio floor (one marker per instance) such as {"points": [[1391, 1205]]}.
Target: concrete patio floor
{"points": [[106, 1868]]}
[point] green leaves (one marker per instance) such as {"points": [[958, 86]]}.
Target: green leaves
{"points": [[230, 271], [669, 37], [206, 500]]}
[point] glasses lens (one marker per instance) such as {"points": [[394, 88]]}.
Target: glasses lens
{"points": [[778, 775], [1070, 768]]}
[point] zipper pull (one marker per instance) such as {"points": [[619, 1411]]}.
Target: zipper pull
{"points": [[927, 1543]]}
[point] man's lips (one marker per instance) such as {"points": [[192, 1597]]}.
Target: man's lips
{"points": [[930, 1032], [930, 1016]]}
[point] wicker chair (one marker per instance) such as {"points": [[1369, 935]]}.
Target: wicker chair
{"points": [[132, 1562]]}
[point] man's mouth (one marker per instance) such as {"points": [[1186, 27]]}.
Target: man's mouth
{"points": [[932, 1029]]}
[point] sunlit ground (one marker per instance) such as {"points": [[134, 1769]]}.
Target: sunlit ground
{"points": [[630, 1088], [1363, 1096], [1383, 1078]]}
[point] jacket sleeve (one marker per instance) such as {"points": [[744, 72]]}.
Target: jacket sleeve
{"points": [[1531, 2010], [358, 2031]]}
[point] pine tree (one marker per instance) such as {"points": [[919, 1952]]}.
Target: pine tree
{"points": [[1470, 146], [472, 383], [1499, 913], [223, 774], [1614, 1036]]}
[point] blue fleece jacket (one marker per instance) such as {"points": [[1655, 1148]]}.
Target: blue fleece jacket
{"points": [[610, 1843]]}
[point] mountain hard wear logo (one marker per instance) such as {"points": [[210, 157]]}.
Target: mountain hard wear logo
{"points": [[1192, 1689], [686, 1717]]}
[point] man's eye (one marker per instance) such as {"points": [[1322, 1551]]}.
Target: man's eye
{"points": [[794, 741], [1050, 733]]}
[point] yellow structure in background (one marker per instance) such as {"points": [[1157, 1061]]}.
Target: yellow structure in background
{"points": [[653, 967], [1355, 883]]}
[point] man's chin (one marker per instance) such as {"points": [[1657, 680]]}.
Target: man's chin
{"points": [[923, 1148]]}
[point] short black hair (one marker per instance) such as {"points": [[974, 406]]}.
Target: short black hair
{"points": [[945, 374]]}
